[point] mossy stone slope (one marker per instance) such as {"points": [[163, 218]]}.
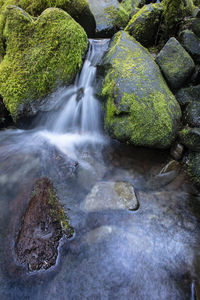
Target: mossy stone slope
{"points": [[144, 24], [140, 107], [78, 9], [40, 54]]}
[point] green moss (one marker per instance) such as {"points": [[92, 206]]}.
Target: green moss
{"points": [[143, 26], [120, 15], [58, 214], [41, 54], [140, 107]]}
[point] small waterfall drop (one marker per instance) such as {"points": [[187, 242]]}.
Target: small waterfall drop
{"points": [[82, 111]]}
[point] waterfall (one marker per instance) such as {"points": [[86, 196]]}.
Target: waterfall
{"points": [[82, 111]]}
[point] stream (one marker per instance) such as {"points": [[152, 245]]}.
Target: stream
{"points": [[151, 253]]}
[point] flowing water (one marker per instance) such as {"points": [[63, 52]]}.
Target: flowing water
{"points": [[152, 253]]}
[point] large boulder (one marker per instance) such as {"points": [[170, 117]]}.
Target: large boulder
{"points": [[140, 107], [39, 55], [175, 63], [144, 24], [78, 9]]}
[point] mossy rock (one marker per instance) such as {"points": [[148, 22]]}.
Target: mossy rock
{"points": [[193, 168], [110, 15], [144, 24], [78, 9], [190, 137], [188, 94], [175, 63], [40, 55], [191, 115], [191, 43], [140, 108]]}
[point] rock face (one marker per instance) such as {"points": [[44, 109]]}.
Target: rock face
{"points": [[191, 114], [111, 195], [140, 107], [42, 227], [191, 43], [5, 118], [175, 63], [40, 54], [78, 9], [144, 24], [190, 137]]}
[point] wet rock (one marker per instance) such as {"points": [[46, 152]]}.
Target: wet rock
{"points": [[166, 175], [190, 137], [144, 24], [191, 43], [110, 15], [111, 195], [189, 94], [177, 150], [140, 107], [43, 225], [191, 115], [5, 118], [193, 166], [175, 63]]}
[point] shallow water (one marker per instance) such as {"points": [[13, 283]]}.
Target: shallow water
{"points": [[152, 253]]}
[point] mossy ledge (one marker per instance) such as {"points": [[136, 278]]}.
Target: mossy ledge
{"points": [[140, 108], [40, 55]]}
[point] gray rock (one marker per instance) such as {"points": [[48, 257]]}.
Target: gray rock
{"points": [[191, 115], [144, 24], [175, 63], [193, 167], [191, 43], [140, 107], [111, 195], [110, 15], [189, 94], [196, 26]]}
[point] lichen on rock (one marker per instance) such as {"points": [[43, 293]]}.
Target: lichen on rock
{"points": [[140, 108], [39, 55]]}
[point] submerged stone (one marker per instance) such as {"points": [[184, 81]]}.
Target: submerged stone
{"points": [[140, 107], [40, 55], [175, 63], [43, 225], [144, 24], [114, 195]]}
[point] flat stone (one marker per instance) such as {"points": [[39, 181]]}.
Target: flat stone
{"points": [[114, 195]]}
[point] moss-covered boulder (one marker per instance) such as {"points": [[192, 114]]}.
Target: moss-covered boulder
{"points": [[140, 107], [175, 63], [78, 9], [190, 137], [191, 43], [191, 115], [144, 24], [39, 55]]}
